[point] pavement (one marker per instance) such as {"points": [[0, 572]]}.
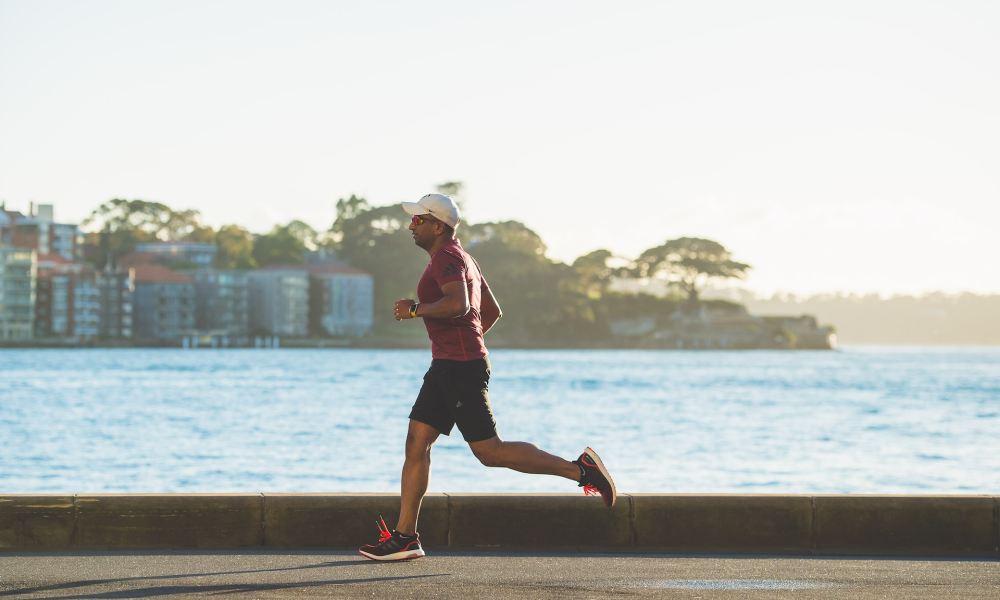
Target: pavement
{"points": [[265, 573]]}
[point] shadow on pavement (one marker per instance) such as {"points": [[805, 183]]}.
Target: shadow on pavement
{"points": [[229, 588], [236, 587]]}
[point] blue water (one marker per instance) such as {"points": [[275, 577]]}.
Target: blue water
{"points": [[881, 420]]}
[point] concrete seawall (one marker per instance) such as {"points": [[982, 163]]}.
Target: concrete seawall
{"points": [[704, 523]]}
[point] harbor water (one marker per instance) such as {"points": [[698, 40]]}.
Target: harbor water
{"points": [[856, 420]]}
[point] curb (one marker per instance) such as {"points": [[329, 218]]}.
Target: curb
{"points": [[840, 525]]}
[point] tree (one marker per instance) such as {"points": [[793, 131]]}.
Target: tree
{"points": [[450, 188], [304, 232], [541, 299], [347, 210], [282, 245], [201, 233], [119, 224], [690, 263], [185, 226], [513, 236], [594, 272], [235, 248], [148, 221]]}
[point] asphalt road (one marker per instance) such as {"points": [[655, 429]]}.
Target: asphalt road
{"points": [[343, 574]]}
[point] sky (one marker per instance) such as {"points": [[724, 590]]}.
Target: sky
{"points": [[834, 146]]}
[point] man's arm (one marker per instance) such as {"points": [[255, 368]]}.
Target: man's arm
{"points": [[454, 303], [489, 309]]}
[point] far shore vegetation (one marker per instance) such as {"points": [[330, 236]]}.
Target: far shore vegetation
{"points": [[543, 299]]}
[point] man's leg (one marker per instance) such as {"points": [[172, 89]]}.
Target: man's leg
{"points": [[416, 474], [588, 470], [523, 457]]}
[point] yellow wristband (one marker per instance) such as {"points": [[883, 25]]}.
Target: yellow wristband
{"points": [[413, 310]]}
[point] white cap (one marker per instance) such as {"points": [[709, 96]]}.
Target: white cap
{"points": [[439, 206]]}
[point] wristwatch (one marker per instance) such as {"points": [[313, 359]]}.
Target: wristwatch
{"points": [[413, 310]]}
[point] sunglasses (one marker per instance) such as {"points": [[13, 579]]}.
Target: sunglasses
{"points": [[421, 219]]}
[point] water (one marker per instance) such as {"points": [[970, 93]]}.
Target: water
{"points": [[879, 420]]}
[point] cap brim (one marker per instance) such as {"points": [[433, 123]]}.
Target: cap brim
{"points": [[415, 209]]}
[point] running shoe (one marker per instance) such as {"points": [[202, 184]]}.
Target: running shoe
{"points": [[595, 478], [392, 545]]}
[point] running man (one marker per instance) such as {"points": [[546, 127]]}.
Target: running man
{"points": [[458, 308]]}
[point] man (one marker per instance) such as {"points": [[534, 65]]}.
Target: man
{"points": [[458, 308]]}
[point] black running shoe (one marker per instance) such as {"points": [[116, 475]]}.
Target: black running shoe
{"points": [[595, 478], [392, 545]]}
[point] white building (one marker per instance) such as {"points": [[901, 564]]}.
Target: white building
{"points": [[18, 276], [279, 301], [342, 300]]}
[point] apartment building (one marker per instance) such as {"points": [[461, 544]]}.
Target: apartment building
{"points": [[39, 231], [18, 273], [163, 304], [279, 301], [341, 300], [222, 302]]}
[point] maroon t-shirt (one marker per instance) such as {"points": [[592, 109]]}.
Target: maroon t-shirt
{"points": [[457, 338]]}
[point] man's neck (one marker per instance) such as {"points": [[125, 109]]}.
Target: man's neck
{"points": [[439, 243]]}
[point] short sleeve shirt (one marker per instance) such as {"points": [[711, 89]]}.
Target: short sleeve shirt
{"points": [[456, 338]]}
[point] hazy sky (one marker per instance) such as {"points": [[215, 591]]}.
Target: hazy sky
{"points": [[834, 146]]}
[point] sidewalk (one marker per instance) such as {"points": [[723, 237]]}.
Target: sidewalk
{"points": [[261, 573]]}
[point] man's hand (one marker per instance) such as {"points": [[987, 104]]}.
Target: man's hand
{"points": [[402, 309]]}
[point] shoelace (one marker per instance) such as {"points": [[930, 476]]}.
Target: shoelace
{"points": [[589, 489], [383, 531]]}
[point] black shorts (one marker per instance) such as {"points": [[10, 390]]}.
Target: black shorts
{"points": [[457, 391]]}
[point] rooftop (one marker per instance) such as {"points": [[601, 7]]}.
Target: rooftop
{"points": [[154, 273]]}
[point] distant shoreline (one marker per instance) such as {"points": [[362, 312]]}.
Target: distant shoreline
{"points": [[403, 345], [336, 345]]}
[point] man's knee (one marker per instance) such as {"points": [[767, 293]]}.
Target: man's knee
{"points": [[489, 455], [418, 447], [419, 439]]}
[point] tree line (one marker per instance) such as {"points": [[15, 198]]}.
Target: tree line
{"points": [[544, 300]]}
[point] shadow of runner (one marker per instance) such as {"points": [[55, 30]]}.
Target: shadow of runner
{"points": [[91, 582], [228, 588]]}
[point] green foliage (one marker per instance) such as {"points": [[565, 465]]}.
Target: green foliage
{"points": [[690, 263], [119, 224], [234, 246], [510, 237], [284, 244], [201, 234], [185, 226], [541, 299], [450, 188], [594, 273], [547, 305], [307, 236], [544, 302]]}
